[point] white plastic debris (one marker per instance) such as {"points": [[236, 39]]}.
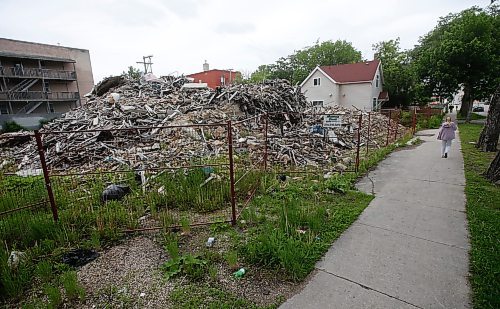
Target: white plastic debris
{"points": [[15, 258], [210, 241]]}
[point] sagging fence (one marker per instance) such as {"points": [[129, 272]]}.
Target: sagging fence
{"points": [[151, 178]]}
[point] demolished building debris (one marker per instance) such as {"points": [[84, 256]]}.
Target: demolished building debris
{"points": [[130, 123]]}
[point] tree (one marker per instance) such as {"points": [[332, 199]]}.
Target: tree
{"points": [[493, 172], [132, 72], [462, 51], [399, 76], [488, 140], [297, 66]]}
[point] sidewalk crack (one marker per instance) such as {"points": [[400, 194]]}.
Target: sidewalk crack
{"points": [[369, 288], [409, 235]]}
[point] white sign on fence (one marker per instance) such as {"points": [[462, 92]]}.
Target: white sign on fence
{"points": [[332, 121]]}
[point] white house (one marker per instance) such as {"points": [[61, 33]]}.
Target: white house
{"points": [[347, 85]]}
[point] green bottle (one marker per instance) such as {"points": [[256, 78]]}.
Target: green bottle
{"points": [[239, 273]]}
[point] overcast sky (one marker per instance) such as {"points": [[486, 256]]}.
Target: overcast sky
{"points": [[239, 35]]}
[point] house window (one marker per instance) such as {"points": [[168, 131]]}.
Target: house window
{"points": [[51, 108], [317, 81], [317, 103], [374, 104], [376, 82], [46, 87]]}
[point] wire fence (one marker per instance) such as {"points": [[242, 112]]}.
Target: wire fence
{"points": [[177, 176]]}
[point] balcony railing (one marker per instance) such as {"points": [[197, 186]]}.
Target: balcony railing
{"points": [[37, 73], [38, 95]]}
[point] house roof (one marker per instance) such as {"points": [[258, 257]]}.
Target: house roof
{"points": [[352, 72]]}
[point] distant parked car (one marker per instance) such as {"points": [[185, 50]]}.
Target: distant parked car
{"points": [[478, 109]]}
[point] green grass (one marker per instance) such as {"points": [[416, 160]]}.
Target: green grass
{"points": [[483, 213], [294, 225], [473, 116], [208, 296]]}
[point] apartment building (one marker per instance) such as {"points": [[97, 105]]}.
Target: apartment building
{"points": [[41, 80]]}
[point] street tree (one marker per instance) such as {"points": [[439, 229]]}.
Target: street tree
{"points": [[493, 172], [399, 76], [462, 51], [488, 140], [297, 66]]}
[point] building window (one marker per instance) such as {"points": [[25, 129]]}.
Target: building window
{"points": [[374, 104], [317, 103], [376, 82], [46, 87], [51, 108], [317, 81], [4, 109]]}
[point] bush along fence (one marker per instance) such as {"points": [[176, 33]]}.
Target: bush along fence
{"points": [[177, 176]]}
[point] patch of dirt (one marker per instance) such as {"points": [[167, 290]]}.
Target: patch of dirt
{"points": [[126, 276], [128, 270]]}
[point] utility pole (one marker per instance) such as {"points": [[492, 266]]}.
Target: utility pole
{"points": [[148, 65]]}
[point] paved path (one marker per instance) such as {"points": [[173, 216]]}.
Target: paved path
{"points": [[409, 248]]}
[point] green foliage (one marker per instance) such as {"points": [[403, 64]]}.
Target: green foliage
{"points": [[44, 271], [208, 296], [70, 284], [339, 184], [53, 294], [132, 73], [11, 126], [462, 50], [189, 265], [296, 67], [399, 75], [483, 214], [231, 258]]}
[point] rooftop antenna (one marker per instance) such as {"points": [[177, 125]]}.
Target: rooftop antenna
{"points": [[148, 65]]}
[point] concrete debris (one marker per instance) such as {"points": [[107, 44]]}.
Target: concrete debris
{"points": [[297, 133]]}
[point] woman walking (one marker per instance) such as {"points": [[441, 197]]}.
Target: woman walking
{"points": [[446, 135]]}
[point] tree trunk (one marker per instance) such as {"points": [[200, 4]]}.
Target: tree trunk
{"points": [[488, 140], [464, 108], [493, 172]]}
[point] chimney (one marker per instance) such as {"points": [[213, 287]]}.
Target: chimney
{"points": [[205, 66]]}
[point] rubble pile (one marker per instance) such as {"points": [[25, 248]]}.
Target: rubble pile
{"points": [[121, 125]]}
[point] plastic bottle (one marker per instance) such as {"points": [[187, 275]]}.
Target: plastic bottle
{"points": [[239, 273]]}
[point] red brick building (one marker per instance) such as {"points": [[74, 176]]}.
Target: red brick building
{"points": [[215, 78]]}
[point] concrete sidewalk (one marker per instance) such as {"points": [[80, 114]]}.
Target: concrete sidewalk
{"points": [[409, 248]]}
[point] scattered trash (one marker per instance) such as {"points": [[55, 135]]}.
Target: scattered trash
{"points": [[210, 241], [79, 257], [142, 294], [15, 258], [114, 192], [300, 231], [240, 273]]}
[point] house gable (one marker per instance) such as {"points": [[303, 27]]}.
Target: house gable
{"points": [[347, 85], [326, 91]]}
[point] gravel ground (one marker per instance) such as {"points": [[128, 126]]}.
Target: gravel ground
{"points": [[127, 276]]}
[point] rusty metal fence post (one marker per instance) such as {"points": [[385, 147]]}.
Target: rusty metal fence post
{"points": [[388, 128], [231, 171], [414, 121], [48, 186], [368, 134], [266, 125], [396, 126], [359, 141]]}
